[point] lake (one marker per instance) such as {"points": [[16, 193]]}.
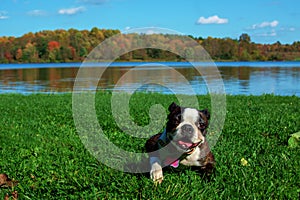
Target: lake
{"points": [[245, 78]]}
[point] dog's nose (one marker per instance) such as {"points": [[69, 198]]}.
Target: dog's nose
{"points": [[187, 129]]}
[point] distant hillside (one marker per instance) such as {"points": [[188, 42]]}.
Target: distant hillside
{"points": [[74, 45]]}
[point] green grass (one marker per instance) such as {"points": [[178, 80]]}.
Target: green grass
{"points": [[39, 147]]}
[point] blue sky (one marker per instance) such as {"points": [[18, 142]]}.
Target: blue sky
{"points": [[266, 21]]}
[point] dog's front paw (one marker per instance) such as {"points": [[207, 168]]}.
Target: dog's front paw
{"points": [[156, 173]]}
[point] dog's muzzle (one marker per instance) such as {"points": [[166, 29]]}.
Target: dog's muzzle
{"points": [[187, 130]]}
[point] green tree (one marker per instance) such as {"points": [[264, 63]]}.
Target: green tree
{"points": [[41, 46], [30, 53], [96, 36], [245, 38]]}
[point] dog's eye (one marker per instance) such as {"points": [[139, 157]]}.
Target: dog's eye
{"points": [[178, 117], [201, 125]]}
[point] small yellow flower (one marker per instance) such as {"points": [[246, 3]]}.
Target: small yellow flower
{"points": [[244, 162]]}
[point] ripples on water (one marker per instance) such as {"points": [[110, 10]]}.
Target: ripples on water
{"points": [[247, 78]]}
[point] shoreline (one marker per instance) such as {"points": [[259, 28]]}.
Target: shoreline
{"points": [[4, 66], [106, 92]]}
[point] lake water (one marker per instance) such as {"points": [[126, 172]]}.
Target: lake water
{"points": [[246, 78]]}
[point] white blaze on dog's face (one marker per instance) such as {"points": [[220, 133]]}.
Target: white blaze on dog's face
{"points": [[186, 127]]}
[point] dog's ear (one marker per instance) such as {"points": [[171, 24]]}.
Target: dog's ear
{"points": [[206, 113], [173, 106]]}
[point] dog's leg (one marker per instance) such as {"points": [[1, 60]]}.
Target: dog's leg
{"points": [[209, 163], [156, 173]]}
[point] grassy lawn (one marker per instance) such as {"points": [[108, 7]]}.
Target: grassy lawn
{"points": [[39, 147]]}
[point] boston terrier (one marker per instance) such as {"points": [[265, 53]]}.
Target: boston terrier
{"points": [[182, 141]]}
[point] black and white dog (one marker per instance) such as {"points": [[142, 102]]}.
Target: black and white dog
{"points": [[183, 141]]}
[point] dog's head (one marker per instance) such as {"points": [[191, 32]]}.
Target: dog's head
{"points": [[186, 127]]}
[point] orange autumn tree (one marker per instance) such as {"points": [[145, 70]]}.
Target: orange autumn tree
{"points": [[53, 48]]}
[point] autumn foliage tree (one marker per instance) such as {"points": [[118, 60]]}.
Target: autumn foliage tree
{"points": [[74, 45], [53, 45], [54, 51]]}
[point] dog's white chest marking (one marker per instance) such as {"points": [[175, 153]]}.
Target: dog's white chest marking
{"points": [[193, 159]]}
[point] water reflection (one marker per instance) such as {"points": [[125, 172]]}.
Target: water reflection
{"points": [[260, 80], [280, 80], [37, 80]]}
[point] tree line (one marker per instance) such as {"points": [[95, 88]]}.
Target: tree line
{"points": [[74, 45]]}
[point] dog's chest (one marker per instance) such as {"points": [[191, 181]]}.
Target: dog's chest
{"points": [[193, 159]]}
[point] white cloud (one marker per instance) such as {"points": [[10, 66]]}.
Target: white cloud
{"points": [[287, 29], [273, 33], [37, 13], [265, 24], [273, 23], [212, 20], [71, 11], [3, 15], [292, 29]]}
